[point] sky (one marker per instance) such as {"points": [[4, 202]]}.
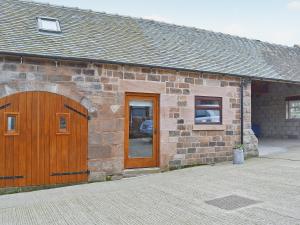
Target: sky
{"points": [[274, 21]]}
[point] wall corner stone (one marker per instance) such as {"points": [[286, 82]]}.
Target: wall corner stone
{"points": [[250, 143], [250, 140]]}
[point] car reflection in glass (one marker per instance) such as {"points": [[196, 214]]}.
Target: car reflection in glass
{"points": [[147, 127], [207, 116]]}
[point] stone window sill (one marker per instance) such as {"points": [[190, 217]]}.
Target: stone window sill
{"points": [[293, 119], [209, 127]]}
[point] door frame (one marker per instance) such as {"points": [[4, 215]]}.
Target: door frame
{"points": [[142, 162]]}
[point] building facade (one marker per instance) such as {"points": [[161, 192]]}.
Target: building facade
{"points": [[102, 89], [89, 96]]}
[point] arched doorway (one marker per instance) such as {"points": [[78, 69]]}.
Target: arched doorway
{"points": [[43, 140]]}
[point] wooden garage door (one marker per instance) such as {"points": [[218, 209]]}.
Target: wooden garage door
{"points": [[43, 140]]}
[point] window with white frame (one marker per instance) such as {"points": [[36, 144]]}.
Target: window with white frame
{"points": [[48, 24], [293, 107]]}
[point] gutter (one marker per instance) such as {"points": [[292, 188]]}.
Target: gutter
{"points": [[55, 58]]}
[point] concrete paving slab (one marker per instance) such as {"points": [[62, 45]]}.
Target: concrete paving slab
{"points": [[176, 197], [269, 146]]}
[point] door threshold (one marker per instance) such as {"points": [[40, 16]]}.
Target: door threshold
{"points": [[140, 171]]}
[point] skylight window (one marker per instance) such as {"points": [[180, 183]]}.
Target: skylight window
{"points": [[48, 24]]}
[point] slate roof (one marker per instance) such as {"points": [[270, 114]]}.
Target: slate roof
{"points": [[100, 36]]}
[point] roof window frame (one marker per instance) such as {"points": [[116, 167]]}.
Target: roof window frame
{"points": [[41, 29]]}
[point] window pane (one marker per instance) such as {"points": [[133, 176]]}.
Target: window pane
{"points": [[62, 123], [294, 109], [11, 123], [140, 129], [48, 24], [208, 103], [207, 116]]}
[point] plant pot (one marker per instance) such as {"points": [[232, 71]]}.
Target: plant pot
{"points": [[238, 156]]}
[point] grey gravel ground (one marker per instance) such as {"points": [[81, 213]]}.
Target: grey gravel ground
{"points": [[177, 197]]}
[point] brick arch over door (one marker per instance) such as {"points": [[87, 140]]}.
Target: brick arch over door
{"points": [[43, 140]]}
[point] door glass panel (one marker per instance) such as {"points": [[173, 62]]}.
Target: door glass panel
{"points": [[62, 123], [11, 123], [140, 129]]}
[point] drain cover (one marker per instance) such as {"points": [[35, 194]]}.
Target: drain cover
{"points": [[231, 202]]}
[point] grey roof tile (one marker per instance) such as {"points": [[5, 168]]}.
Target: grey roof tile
{"points": [[101, 36]]}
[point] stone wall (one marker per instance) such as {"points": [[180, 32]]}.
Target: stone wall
{"points": [[250, 140], [269, 111], [101, 88]]}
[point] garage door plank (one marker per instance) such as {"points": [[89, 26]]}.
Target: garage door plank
{"points": [[28, 140], [9, 147], [2, 145], [53, 139], [22, 139], [34, 132], [46, 136]]}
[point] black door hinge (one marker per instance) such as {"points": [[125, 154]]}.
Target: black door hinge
{"points": [[71, 173], [76, 111], [10, 177], [5, 106]]}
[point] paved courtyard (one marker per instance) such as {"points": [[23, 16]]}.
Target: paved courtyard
{"points": [[262, 191]]}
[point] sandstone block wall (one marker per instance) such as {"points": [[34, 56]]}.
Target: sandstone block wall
{"points": [[101, 89]]}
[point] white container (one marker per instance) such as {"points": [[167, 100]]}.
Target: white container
{"points": [[238, 156]]}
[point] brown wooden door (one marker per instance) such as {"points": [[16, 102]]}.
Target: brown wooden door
{"points": [[141, 130], [43, 140]]}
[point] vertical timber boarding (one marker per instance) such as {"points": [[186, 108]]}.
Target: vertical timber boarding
{"points": [[38, 152]]}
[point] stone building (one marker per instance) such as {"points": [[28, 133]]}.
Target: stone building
{"points": [[88, 95]]}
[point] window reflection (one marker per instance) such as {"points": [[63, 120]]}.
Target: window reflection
{"points": [[62, 123], [293, 109], [207, 116], [11, 123], [140, 129], [208, 110]]}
